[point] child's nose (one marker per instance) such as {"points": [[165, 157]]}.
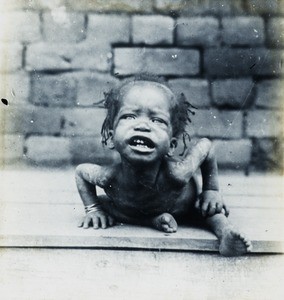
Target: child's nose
{"points": [[142, 125]]}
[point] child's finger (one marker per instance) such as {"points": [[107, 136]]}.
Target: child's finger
{"points": [[211, 210], [227, 211], [86, 222], [80, 223], [219, 207], [110, 221], [197, 204], [95, 222], [103, 222], [204, 209]]}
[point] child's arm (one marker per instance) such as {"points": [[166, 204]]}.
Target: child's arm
{"points": [[202, 156], [210, 201], [87, 177]]}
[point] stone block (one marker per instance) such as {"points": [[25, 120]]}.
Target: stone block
{"points": [[234, 93], [82, 121], [55, 57], [267, 154], [54, 90], [7, 5], [269, 93], [62, 27], [264, 7], [243, 31], [218, 124], [30, 119], [45, 56], [90, 150], [15, 87], [264, 123], [11, 57], [159, 61], [237, 62], [196, 91], [89, 56], [48, 150], [271, 64], [20, 26], [233, 153], [92, 86], [108, 29], [198, 31], [110, 5], [275, 32], [12, 147], [169, 5], [152, 30], [199, 7]]}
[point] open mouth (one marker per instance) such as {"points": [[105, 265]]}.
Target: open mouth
{"points": [[141, 143]]}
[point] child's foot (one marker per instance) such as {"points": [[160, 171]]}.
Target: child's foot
{"points": [[234, 243], [165, 222]]}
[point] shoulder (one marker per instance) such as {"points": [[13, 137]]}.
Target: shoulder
{"points": [[96, 174], [174, 168]]}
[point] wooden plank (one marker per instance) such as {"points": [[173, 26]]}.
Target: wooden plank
{"points": [[43, 209], [234, 201], [44, 225]]}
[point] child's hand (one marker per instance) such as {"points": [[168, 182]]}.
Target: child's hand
{"points": [[210, 203], [99, 219]]}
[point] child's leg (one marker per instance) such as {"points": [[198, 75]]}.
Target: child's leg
{"points": [[164, 222], [110, 208], [232, 242]]}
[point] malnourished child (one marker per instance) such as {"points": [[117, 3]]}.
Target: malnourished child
{"points": [[149, 185]]}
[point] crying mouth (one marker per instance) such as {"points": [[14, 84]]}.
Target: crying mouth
{"points": [[142, 142]]}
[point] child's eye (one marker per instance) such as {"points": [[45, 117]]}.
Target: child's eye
{"points": [[158, 120], [128, 117]]}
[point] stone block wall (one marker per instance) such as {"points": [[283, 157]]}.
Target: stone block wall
{"points": [[59, 57]]}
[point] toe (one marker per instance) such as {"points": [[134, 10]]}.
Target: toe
{"points": [[80, 223], [247, 242], [165, 222], [166, 219], [165, 227], [249, 249]]}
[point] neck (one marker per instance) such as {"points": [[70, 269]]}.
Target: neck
{"points": [[143, 174]]}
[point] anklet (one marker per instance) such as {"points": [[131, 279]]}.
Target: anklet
{"points": [[92, 207]]}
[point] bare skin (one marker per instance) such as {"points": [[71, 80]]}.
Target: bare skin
{"points": [[148, 186]]}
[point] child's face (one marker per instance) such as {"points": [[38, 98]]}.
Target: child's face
{"points": [[142, 128]]}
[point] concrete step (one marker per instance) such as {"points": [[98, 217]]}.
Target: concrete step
{"points": [[153, 275]]}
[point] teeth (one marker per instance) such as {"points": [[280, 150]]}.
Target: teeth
{"points": [[139, 142]]}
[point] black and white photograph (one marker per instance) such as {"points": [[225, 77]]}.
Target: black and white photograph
{"points": [[141, 149]]}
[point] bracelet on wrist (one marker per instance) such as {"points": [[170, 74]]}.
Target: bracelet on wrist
{"points": [[92, 207]]}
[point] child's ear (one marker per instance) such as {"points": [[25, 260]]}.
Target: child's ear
{"points": [[173, 146], [110, 143]]}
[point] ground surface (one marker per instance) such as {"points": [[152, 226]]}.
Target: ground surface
{"points": [[44, 256]]}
